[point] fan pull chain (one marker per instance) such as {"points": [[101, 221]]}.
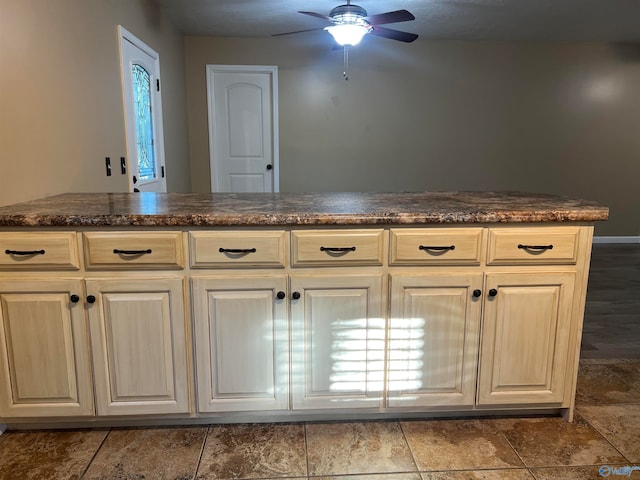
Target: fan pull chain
{"points": [[345, 73]]}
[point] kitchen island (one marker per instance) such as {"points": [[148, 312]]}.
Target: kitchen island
{"points": [[159, 308]]}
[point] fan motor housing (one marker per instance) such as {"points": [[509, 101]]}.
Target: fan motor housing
{"points": [[348, 14]]}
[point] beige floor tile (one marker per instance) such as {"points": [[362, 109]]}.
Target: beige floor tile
{"points": [[601, 385], [253, 451], [357, 448], [50, 455], [591, 472], [551, 441], [630, 372], [508, 474], [160, 453], [620, 424], [458, 445]]}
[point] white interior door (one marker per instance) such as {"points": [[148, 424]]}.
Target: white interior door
{"points": [[143, 114], [243, 132]]}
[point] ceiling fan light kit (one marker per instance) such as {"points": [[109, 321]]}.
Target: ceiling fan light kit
{"points": [[350, 23], [347, 35]]}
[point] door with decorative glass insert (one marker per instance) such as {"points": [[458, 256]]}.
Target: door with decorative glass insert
{"points": [[143, 114]]}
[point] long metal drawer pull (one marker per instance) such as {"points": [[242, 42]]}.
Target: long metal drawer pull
{"points": [[132, 252], [437, 249], [237, 250], [338, 249], [24, 252], [535, 247]]}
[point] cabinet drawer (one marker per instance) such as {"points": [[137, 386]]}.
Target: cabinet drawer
{"points": [[337, 247], [237, 249], [39, 251], [134, 250], [540, 245], [436, 246]]}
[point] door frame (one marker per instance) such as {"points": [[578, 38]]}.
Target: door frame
{"points": [[272, 70], [158, 128]]}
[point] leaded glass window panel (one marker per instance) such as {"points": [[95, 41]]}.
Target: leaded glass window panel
{"points": [[144, 122]]}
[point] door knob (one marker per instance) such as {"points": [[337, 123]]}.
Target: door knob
{"points": [[269, 167], [74, 298], [295, 295], [477, 293], [281, 295], [493, 292], [91, 299]]}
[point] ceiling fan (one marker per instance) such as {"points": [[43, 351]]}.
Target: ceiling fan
{"points": [[348, 24]]}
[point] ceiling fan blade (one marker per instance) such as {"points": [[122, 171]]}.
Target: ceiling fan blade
{"points": [[393, 34], [297, 31], [317, 15], [390, 17]]}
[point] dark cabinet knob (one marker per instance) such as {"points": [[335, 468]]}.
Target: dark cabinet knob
{"points": [[91, 299], [281, 295], [477, 293], [493, 292], [295, 295], [74, 298], [269, 167]]}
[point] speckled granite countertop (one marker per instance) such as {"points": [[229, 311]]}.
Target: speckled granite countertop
{"points": [[211, 209]]}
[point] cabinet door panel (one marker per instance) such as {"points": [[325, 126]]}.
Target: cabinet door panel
{"points": [[525, 338], [241, 338], [139, 346], [339, 338], [433, 340], [44, 344]]}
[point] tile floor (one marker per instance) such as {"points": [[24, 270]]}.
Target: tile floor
{"points": [[604, 436]]}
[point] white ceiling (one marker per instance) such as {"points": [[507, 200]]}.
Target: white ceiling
{"points": [[500, 20]]}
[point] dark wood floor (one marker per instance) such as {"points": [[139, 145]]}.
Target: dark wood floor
{"points": [[612, 317]]}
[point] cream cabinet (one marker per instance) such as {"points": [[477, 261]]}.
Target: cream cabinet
{"points": [[241, 319], [434, 327], [435, 316], [526, 338], [139, 345], [535, 293], [241, 336], [45, 365], [293, 321], [268, 336], [44, 345], [260, 340], [338, 328], [129, 331], [519, 286], [138, 324]]}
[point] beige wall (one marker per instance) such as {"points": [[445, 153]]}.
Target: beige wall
{"points": [[556, 118], [61, 107]]}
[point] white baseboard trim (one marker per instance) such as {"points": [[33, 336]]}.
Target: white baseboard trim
{"points": [[621, 239]]}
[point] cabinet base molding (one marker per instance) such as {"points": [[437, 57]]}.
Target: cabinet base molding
{"points": [[262, 417]]}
